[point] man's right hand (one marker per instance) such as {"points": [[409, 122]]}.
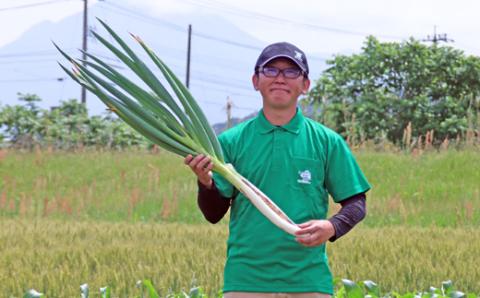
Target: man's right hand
{"points": [[202, 166]]}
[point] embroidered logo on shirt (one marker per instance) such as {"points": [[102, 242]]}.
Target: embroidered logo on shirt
{"points": [[305, 177]]}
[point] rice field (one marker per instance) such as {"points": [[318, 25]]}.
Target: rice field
{"points": [[112, 218], [440, 189], [112, 186], [55, 257]]}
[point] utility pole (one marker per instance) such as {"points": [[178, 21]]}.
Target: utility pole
{"points": [[84, 45], [437, 37], [189, 43], [228, 107]]}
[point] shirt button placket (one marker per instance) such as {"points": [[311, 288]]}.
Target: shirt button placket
{"points": [[276, 150]]}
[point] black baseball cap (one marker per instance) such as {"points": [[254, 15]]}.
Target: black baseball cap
{"points": [[282, 50]]}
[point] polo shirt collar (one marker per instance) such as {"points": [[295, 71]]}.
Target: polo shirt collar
{"points": [[264, 126]]}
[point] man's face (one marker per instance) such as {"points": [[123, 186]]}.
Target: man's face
{"points": [[280, 92]]}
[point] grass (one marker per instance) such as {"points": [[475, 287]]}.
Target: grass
{"points": [[439, 189], [112, 218], [111, 186], [56, 256]]}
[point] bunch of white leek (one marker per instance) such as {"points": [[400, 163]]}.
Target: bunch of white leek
{"points": [[182, 129]]}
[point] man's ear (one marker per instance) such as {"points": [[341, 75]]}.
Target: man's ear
{"points": [[255, 81], [306, 86]]}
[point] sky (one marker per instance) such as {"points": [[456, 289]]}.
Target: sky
{"points": [[321, 28], [344, 23]]}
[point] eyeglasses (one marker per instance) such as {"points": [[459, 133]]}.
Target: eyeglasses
{"points": [[273, 72]]}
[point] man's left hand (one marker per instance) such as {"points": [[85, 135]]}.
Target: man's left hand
{"points": [[315, 232]]}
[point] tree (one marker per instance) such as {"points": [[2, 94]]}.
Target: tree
{"points": [[63, 127], [20, 123], [375, 94]]}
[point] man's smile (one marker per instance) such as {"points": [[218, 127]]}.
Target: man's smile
{"points": [[280, 90]]}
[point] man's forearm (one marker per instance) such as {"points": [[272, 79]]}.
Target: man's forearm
{"points": [[353, 211], [214, 207], [211, 203]]}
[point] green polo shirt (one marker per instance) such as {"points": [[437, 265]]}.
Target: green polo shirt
{"points": [[296, 165]]}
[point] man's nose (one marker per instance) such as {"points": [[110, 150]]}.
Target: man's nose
{"points": [[280, 77]]}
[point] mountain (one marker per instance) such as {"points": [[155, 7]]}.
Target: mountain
{"points": [[222, 126], [221, 62]]}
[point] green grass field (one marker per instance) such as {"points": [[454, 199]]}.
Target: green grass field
{"points": [[55, 256], [440, 189], [112, 218]]}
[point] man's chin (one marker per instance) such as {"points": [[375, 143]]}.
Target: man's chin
{"points": [[281, 105]]}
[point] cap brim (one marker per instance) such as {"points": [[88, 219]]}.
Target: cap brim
{"points": [[285, 56]]}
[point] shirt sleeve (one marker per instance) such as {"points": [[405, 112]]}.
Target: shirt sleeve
{"points": [[343, 177]]}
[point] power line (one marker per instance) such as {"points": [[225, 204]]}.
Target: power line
{"points": [[272, 19], [466, 46], [246, 46], [143, 17], [59, 79], [148, 19], [230, 42], [33, 53], [222, 90], [32, 5], [30, 75], [176, 27], [27, 61], [223, 82], [53, 60], [222, 105], [213, 80]]}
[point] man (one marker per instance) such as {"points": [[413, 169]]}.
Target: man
{"points": [[295, 161]]}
